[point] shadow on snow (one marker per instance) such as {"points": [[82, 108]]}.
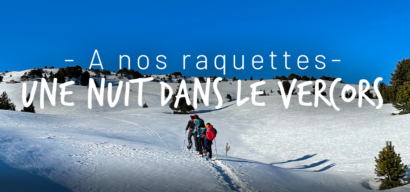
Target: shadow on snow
{"points": [[12, 179]]}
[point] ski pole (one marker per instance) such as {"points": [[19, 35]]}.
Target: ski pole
{"points": [[184, 140]]}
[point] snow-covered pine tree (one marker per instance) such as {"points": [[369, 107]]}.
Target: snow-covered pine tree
{"points": [[31, 108], [5, 102], [390, 167]]}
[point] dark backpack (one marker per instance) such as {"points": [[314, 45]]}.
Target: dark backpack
{"points": [[202, 123]]}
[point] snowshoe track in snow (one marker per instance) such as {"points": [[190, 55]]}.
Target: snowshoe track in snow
{"points": [[146, 128], [228, 177], [235, 183], [225, 175]]}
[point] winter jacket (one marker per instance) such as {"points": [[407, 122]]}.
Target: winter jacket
{"points": [[199, 125], [202, 132], [190, 125]]}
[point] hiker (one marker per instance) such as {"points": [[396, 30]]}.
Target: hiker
{"points": [[199, 129], [210, 136], [190, 128]]}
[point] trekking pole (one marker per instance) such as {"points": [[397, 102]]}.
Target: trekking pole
{"points": [[216, 150], [184, 140]]}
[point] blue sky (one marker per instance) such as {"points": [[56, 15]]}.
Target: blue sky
{"points": [[369, 38]]}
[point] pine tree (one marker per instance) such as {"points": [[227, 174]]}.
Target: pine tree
{"points": [[5, 102], [401, 74], [402, 101], [305, 78], [201, 79], [183, 107], [348, 94], [286, 88], [369, 94], [51, 77], [386, 92], [320, 87], [229, 97], [390, 167], [166, 92], [85, 78], [1, 79], [96, 83], [31, 108], [145, 105], [251, 78]]}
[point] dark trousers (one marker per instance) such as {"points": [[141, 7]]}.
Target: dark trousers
{"points": [[208, 147], [200, 143], [190, 135]]}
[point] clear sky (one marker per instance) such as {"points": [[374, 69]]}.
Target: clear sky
{"points": [[369, 37]]}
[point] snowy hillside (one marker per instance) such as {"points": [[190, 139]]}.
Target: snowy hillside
{"points": [[141, 149]]}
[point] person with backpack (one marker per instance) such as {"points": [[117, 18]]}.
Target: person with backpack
{"points": [[210, 136], [190, 128], [199, 131]]}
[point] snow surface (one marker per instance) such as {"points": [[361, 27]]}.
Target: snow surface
{"points": [[136, 149]]}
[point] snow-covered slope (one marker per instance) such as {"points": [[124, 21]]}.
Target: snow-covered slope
{"points": [[141, 149]]}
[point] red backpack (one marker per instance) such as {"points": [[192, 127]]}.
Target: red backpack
{"points": [[211, 134]]}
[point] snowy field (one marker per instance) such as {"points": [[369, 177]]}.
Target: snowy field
{"points": [[136, 149]]}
